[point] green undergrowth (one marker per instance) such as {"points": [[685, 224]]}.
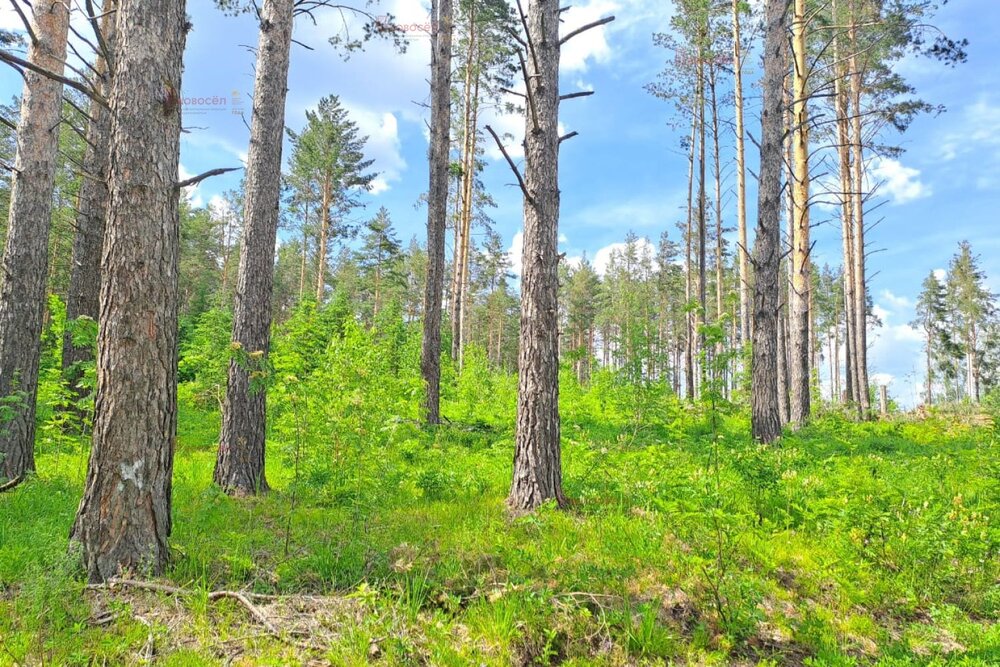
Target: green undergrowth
{"points": [[845, 544], [389, 543]]}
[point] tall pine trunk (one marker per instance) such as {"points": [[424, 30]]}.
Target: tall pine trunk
{"points": [[741, 187], [83, 296], [847, 218], [26, 250], [239, 467], [323, 243], [689, 318], [124, 518], [860, 280], [766, 417], [437, 205], [467, 187], [801, 284], [537, 457]]}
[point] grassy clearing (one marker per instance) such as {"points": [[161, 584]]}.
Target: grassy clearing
{"points": [[848, 544]]}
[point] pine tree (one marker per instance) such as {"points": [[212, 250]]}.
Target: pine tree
{"points": [[442, 29], [972, 307], [582, 302], [379, 262], [766, 408], [124, 520], [328, 156], [932, 317], [26, 247]]}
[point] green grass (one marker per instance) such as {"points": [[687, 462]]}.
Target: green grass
{"points": [[845, 544]]}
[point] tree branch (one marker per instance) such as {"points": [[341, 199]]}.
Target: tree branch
{"points": [[195, 180], [513, 167], [589, 26], [11, 59]]}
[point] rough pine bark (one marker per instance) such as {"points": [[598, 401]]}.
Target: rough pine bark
{"points": [[537, 454], [784, 395], [239, 468], [437, 204], [766, 417], [83, 297], [801, 284], [26, 250], [124, 518]]}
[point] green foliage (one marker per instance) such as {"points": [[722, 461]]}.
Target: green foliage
{"points": [[686, 541], [204, 356]]}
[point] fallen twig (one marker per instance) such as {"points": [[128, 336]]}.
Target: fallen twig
{"points": [[147, 650], [253, 609], [174, 590], [7, 486]]}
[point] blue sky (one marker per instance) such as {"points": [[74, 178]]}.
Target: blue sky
{"points": [[625, 170]]}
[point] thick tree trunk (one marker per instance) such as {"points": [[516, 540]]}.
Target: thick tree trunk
{"points": [[239, 467], [766, 416], [84, 293], [741, 186], [437, 205], [537, 457], [801, 285], [124, 518], [26, 250]]}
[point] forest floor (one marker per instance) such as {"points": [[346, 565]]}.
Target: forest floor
{"points": [[845, 544]]}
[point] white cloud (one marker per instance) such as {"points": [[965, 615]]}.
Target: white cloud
{"points": [[515, 254], [220, 206], [885, 379], [509, 127], [979, 126], [9, 20], [591, 45], [383, 146], [894, 301], [641, 212], [901, 183], [602, 258], [896, 347], [204, 141], [940, 274]]}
